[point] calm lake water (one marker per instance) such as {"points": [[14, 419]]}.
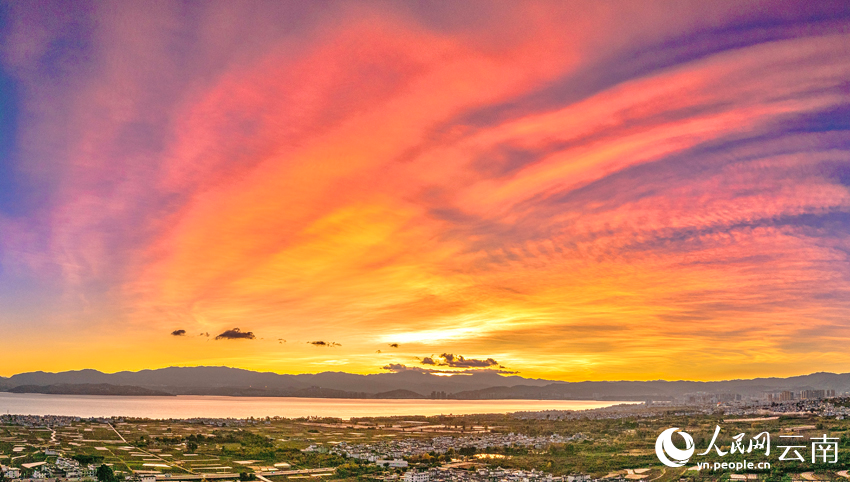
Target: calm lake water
{"points": [[189, 406]]}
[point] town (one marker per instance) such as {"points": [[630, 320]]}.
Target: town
{"points": [[602, 445]]}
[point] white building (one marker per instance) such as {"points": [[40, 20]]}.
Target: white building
{"points": [[396, 463], [413, 476], [11, 472]]}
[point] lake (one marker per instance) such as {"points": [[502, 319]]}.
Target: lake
{"points": [[190, 406]]}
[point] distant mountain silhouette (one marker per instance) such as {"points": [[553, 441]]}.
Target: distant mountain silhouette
{"points": [[89, 389], [235, 381], [408, 384]]}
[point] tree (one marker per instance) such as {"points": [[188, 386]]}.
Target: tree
{"points": [[467, 451], [105, 474], [84, 459], [191, 446]]}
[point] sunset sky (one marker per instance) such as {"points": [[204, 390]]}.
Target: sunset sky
{"points": [[573, 191]]}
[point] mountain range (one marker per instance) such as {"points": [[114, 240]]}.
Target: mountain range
{"points": [[481, 384]]}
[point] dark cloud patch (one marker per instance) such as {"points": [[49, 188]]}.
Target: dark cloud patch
{"points": [[179, 332], [236, 334], [393, 345], [458, 361], [206, 334], [324, 343], [833, 119], [398, 368]]}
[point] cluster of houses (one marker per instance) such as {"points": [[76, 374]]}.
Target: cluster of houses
{"points": [[824, 408], [614, 412], [488, 475], [34, 421], [222, 422], [821, 402], [397, 449], [10, 472], [61, 469], [828, 407], [64, 470]]}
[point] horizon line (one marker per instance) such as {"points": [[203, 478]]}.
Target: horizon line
{"points": [[459, 373]]}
